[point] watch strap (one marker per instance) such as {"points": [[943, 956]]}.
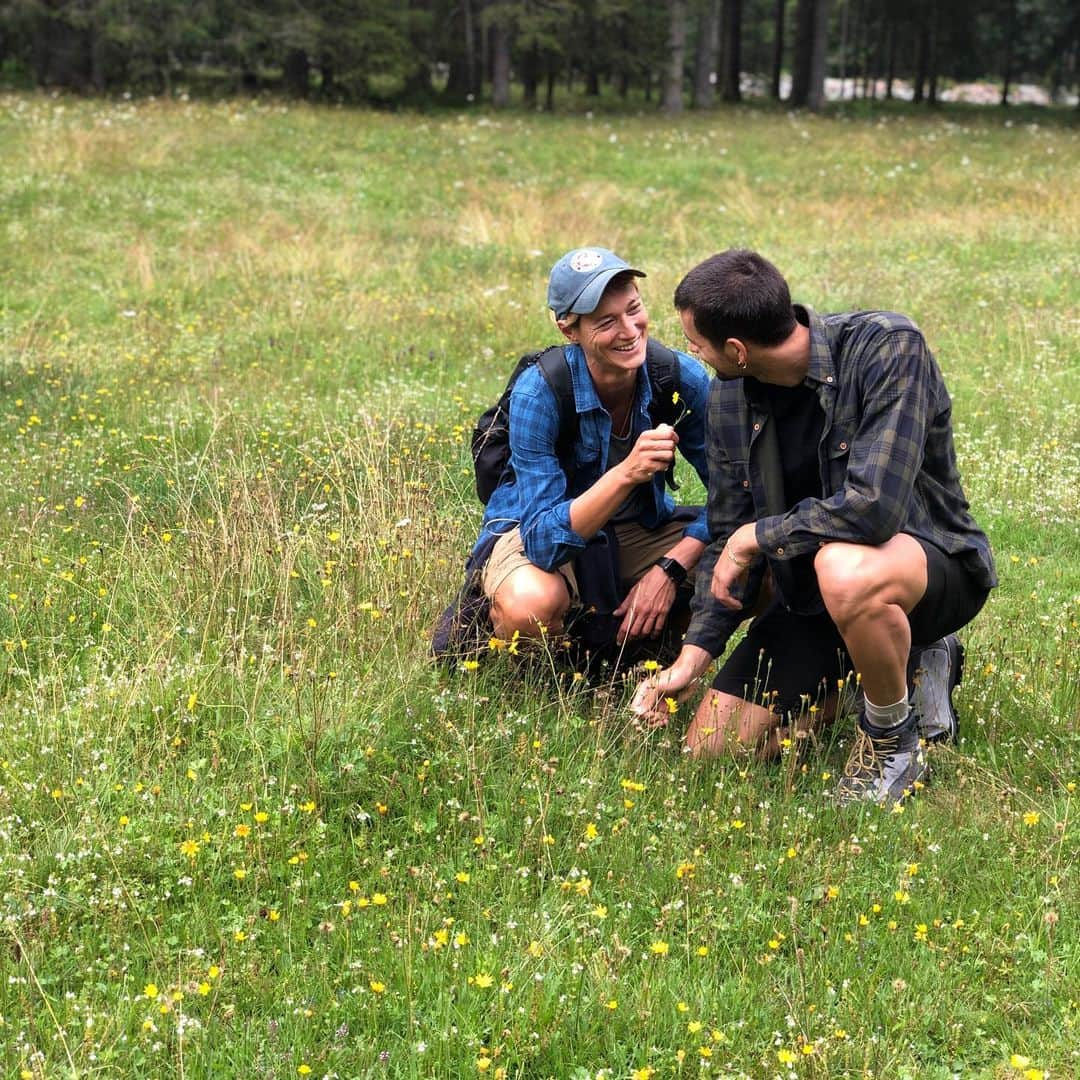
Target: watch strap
{"points": [[673, 568]]}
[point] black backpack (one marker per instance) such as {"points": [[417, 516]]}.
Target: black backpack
{"points": [[491, 436]]}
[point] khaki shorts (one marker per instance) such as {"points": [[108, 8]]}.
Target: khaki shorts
{"points": [[639, 548]]}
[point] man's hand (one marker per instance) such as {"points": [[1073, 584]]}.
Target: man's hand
{"points": [[677, 681], [732, 564], [646, 606], [653, 452]]}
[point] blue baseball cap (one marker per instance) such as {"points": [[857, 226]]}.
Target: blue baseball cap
{"points": [[579, 279]]}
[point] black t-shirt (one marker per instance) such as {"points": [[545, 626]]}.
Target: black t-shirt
{"points": [[799, 421]]}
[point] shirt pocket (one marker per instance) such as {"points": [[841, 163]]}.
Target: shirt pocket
{"points": [[586, 463], [837, 450], [737, 470]]}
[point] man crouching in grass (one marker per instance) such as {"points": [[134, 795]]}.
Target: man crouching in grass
{"points": [[838, 523]]}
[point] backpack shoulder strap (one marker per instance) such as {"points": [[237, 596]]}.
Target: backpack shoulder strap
{"points": [[663, 367], [665, 379], [555, 368]]}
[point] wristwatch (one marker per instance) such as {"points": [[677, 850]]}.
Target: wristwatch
{"points": [[673, 568]]}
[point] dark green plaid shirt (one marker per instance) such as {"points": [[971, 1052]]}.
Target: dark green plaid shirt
{"points": [[888, 464]]}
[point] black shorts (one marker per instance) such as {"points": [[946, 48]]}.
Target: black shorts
{"points": [[791, 661]]}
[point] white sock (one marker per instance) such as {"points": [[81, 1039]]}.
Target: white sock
{"points": [[887, 716]]}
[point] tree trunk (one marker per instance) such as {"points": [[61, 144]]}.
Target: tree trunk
{"points": [[552, 74], [873, 55], [97, 59], [778, 47], [800, 68], [808, 79], [483, 71], [500, 71], [844, 48], [705, 59], [890, 61], [922, 64], [296, 72], [859, 69], [816, 97], [1010, 37], [732, 51], [858, 66], [866, 49], [592, 71], [164, 66], [471, 81], [932, 88], [673, 80], [327, 78], [530, 76]]}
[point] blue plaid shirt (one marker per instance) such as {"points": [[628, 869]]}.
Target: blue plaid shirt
{"points": [[887, 460], [538, 496]]}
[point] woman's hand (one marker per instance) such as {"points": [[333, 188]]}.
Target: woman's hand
{"points": [[646, 606], [653, 452]]}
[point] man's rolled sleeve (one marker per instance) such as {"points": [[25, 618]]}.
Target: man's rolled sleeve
{"points": [[730, 505]]}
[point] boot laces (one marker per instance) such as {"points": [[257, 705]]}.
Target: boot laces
{"points": [[869, 755]]}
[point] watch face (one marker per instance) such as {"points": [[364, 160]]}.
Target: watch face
{"points": [[674, 570]]}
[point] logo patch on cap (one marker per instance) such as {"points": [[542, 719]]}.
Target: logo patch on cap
{"points": [[585, 260]]}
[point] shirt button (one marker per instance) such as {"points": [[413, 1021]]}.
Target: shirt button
{"points": [[757, 427], [828, 378], [779, 551], [843, 446], [746, 483]]}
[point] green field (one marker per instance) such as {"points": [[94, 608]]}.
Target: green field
{"points": [[246, 828]]}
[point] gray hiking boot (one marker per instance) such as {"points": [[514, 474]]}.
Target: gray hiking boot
{"points": [[934, 672], [884, 767]]}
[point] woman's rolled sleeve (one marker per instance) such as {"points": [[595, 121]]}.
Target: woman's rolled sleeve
{"points": [[548, 539]]}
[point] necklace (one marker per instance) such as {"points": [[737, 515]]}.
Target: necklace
{"points": [[626, 424]]}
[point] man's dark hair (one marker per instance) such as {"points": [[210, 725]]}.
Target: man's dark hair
{"points": [[737, 294]]}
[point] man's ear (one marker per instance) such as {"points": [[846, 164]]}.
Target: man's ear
{"points": [[735, 351]]}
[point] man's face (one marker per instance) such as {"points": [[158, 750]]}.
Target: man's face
{"points": [[700, 346], [614, 336]]}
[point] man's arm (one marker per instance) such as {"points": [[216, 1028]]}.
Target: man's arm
{"points": [[730, 508], [730, 505], [874, 460]]}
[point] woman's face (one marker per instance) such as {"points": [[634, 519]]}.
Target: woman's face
{"points": [[614, 336]]}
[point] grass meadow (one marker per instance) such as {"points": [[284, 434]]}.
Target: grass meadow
{"points": [[247, 829]]}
